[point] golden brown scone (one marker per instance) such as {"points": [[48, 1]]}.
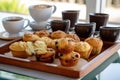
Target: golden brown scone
{"points": [[65, 45], [18, 49], [58, 34], [70, 59], [42, 33], [96, 43], [84, 49], [30, 37], [73, 36], [47, 56]]}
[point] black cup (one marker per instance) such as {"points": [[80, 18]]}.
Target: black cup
{"points": [[72, 15], [62, 25], [109, 33], [100, 19], [85, 30]]}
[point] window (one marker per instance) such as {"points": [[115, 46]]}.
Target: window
{"points": [[112, 7]]}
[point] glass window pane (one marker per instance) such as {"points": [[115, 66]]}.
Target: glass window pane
{"points": [[113, 9]]}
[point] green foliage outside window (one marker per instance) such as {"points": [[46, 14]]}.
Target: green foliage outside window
{"points": [[13, 6]]}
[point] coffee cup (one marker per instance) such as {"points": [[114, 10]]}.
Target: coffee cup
{"points": [[14, 24], [72, 15], [62, 25], [100, 19], [85, 30], [109, 33], [41, 12]]}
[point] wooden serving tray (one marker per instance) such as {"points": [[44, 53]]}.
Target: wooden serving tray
{"points": [[78, 71]]}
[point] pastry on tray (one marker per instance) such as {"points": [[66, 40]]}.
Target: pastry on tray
{"points": [[47, 56], [73, 36], [65, 45], [70, 59], [58, 34], [83, 48], [96, 43], [48, 41], [42, 33], [18, 49], [30, 37]]}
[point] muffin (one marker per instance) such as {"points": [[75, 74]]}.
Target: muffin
{"points": [[47, 56], [42, 33], [73, 36], [65, 45], [30, 37], [40, 47], [70, 59], [58, 34], [83, 48], [30, 48], [48, 41], [18, 49], [96, 43]]}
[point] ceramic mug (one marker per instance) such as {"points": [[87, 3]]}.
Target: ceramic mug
{"points": [[72, 15], [41, 12], [109, 33], [14, 24], [62, 25], [85, 30], [100, 19]]}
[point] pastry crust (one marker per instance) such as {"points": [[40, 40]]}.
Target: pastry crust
{"points": [[42, 33], [73, 36], [84, 49], [65, 45], [47, 56], [70, 59], [96, 43], [18, 49], [30, 37], [58, 34]]}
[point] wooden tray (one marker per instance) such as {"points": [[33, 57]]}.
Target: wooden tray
{"points": [[82, 68]]}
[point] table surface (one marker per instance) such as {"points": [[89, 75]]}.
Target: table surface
{"points": [[50, 76]]}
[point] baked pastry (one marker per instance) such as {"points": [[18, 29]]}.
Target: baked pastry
{"points": [[47, 56], [18, 49], [30, 37], [83, 48], [58, 34], [73, 36], [42, 33], [64, 45], [48, 41], [40, 47], [70, 59], [30, 48], [96, 43]]}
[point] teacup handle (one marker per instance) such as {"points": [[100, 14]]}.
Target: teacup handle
{"points": [[68, 25], [54, 8], [28, 22]]}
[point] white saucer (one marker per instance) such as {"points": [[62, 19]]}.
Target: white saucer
{"points": [[6, 36]]}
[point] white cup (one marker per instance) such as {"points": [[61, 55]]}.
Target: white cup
{"points": [[41, 12], [14, 24]]}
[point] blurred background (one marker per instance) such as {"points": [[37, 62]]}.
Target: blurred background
{"points": [[112, 7]]}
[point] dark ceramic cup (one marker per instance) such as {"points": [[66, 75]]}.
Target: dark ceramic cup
{"points": [[109, 33], [100, 19], [62, 25], [85, 30], [72, 15]]}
